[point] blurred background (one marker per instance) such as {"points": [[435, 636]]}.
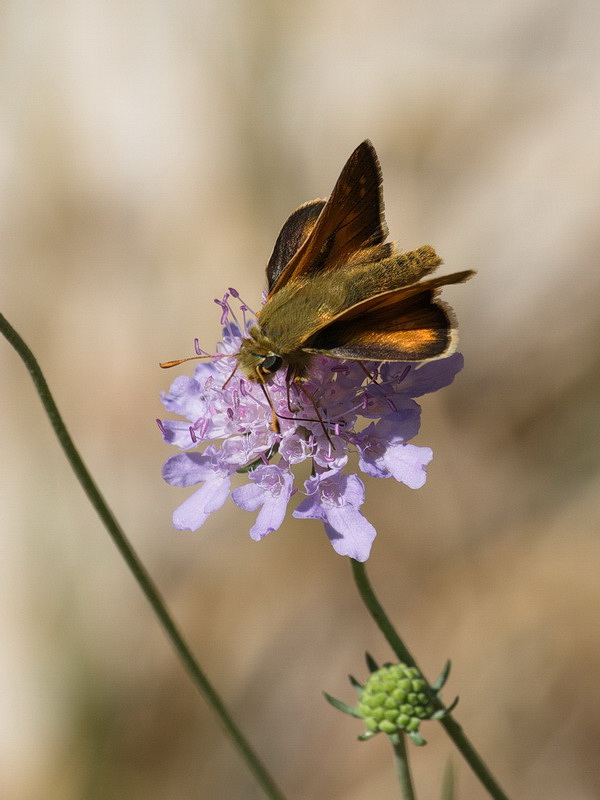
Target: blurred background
{"points": [[149, 153]]}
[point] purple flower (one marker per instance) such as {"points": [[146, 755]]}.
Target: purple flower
{"points": [[335, 499], [225, 432], [270, 487]]}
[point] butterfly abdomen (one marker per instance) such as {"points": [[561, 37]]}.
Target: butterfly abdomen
{"points": [[368, 279], [301, 307]]}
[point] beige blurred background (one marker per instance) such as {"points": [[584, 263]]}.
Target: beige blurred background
{"points": [[149, 152]]}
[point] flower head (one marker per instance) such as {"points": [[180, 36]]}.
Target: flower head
{"points": [[225, 428], [395, 699]]}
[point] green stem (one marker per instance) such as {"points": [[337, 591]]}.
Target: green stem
{"points": [[403, 769], [453, 729], [448, 782], [140, 574]]}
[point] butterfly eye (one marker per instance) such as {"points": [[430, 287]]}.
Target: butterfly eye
{"points": [[271, 364]]}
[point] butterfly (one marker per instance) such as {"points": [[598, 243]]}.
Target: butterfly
{"points": [[336, 288]]}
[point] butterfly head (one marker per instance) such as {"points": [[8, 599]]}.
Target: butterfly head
{"points": [[259, 358], [256, 357]]}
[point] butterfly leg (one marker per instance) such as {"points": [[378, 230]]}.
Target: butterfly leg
{"points": [[371, 376], [274, 416], [290, 378], [313, 402]]}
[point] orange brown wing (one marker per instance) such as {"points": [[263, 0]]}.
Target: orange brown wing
{"points": [[406, 324], [352, 220], [294, 232]]}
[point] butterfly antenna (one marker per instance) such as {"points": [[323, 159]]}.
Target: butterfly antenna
{"points": [[231, 376], [177, 362]]}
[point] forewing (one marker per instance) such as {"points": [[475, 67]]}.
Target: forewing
{"points": [[352, 220], [406, 324], [294, 232]]}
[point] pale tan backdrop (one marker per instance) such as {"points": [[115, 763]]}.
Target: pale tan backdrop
{"points": [[149, 152]]}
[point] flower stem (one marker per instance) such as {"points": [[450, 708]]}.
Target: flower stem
{"points": [[403, 769], [132, 560], [448, 782], [453, 729]]}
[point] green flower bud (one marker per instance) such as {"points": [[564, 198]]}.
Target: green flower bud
{"points": [[395, 698]]}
